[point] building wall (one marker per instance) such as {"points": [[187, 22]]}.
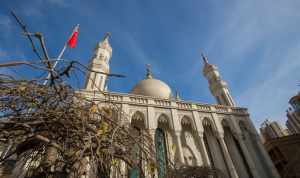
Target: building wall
{"points": [[197, 133], [285, 154], [271, 130]]}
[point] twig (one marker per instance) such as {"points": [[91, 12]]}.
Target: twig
{"points": [[24, 28]]}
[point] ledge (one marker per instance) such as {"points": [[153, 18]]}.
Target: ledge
{"points": [[125, 98]]}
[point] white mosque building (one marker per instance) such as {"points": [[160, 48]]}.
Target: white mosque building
{"points": [[219, 135]]}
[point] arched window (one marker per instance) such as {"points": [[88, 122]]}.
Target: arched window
{"points": [[208, 131], [191, 152], [138, 120], [163, 122], [161, 152], [136, 154], [254, 150], [213, 147], [235, 151], [137, 127]]}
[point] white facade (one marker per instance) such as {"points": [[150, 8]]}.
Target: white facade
{"points": [[99, 63], [221, 136]]}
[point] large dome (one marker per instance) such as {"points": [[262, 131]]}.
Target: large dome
{"points": [[152, 87]]}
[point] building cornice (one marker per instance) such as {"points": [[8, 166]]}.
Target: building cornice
{"points": [[141, 100]]}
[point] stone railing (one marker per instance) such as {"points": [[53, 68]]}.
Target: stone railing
{"points": [[239, 110], [162, 102], [183, 105], [220, 108], [138, 100], [155, 102], [113, 97], [203, 107]]}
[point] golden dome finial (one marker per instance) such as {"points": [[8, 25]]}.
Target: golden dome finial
{"points": [[149, 71], [205, 59]]}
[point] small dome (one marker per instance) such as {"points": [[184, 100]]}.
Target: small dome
{"points": [[152, 87]]}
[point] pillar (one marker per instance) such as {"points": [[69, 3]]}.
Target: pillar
{"points": [[204, 152], [227, 157], [152, 135], [247, 156], [179, 146], [267, 158]]}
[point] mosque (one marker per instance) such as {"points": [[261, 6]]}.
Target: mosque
{"points": [[219, 135]]}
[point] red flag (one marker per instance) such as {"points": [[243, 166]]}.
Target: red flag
{"points": [[73, 38]]}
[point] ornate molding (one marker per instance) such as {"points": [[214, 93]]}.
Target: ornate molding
{"points": [[139, 100]]}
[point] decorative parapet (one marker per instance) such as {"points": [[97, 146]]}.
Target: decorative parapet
{"points": [[222, 109], [162, 102], [113, 97], [138, 100], [239, 110], [121, 98], [202, 107], [184, 105]]}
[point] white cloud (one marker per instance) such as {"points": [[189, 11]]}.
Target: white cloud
{"points": [[138, 54], [268, 97], [251, 22], [266, 26]]}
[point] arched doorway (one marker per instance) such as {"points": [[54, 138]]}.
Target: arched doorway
{"points": [[235, 151], [255, 152], [191, 152], [137, 127], [161, 153], [166, 151], [213, 147]]}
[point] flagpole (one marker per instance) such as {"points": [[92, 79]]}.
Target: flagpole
{"points": [[57, 60], [71, 42]]}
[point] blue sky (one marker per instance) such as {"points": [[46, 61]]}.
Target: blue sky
{"points": [[255, 44]]}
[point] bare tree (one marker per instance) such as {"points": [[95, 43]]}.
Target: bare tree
{"points": [[56, 131]]}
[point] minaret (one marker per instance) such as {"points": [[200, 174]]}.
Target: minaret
{"points": [[217, 86], [99, 63]]}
